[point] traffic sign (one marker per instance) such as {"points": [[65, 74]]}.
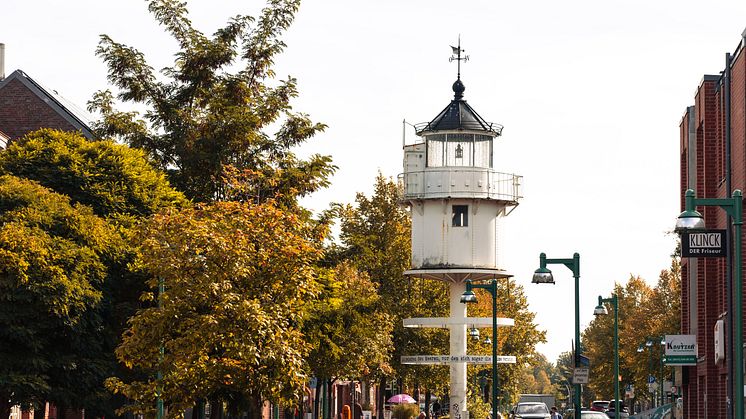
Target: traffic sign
{"points": [[580, 376], [651, 379]]}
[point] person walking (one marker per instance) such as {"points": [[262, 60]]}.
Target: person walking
{"points": [[555, 413]]}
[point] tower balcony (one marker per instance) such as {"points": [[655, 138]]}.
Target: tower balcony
{"points": [[461, 182]]}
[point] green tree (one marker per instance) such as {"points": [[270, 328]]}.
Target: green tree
{"points": [[54, 258], [349, 336], [236, 276], [519, 340], [207, 125], [375, 237], [118, 186]]}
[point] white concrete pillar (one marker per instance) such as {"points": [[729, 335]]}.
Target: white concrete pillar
{"points": [[458, 348]]}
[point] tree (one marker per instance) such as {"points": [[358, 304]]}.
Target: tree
{"points": [[114, 186], [236, 277], [205, 125], [375, 238], [644, 313], [53, 264], [349, 336], [519, 340]]}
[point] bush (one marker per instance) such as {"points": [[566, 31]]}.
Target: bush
{"points": [[405, 411]]}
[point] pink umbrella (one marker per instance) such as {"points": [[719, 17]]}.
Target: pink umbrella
{"points": [[402, 398]]}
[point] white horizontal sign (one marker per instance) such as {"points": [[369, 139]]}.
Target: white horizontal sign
{"points": [[453, 359], [580, 376]]}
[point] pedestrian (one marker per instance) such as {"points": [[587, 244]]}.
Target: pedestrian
{"points": [[555, 413], [436, 409], [421, 415]]}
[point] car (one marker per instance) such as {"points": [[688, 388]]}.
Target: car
{"points": [[530, 410], [592, 414], [623, 412], [600, 405]]}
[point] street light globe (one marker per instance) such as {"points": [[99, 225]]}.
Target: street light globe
{"points": [[542, 276], [487, 341], [600, 310], [468, 297], [640, 348], [474, 333], [689, 220], [649, 343]]}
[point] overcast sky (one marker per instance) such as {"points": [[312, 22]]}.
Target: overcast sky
{"points": [[591, 94]]}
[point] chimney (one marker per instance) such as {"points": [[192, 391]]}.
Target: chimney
{"points": [[2, 61]]}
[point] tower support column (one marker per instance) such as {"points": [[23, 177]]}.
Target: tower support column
{"points": [[457, 395]]}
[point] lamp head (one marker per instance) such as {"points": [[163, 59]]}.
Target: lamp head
{"points": [[542, 276], [474, 333], [663, 340], [649, 343], [689, 220], [487, 341], [468, 297], [640, 348], [600, 310]]}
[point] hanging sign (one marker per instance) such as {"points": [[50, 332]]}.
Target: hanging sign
{"points": [[455, 359], [681, 350], [704, 244]]}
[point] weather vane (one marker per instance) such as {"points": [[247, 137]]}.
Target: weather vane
{"points": [[458, 58]]}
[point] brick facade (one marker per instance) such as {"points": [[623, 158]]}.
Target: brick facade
{"points": [[26, 106], [703, 157]]}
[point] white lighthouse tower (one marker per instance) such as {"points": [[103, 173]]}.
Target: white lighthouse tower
{"points": [[457, 199]]}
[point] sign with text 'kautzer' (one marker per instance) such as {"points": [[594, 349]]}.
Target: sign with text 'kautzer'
{"points": [[704, 244], [681, 350]]}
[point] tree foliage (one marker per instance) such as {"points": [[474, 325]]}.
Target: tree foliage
{"points": [[236, 277], [375, 238], [645, 313], [53, 267], [350, 337], [203, 121], [68, 207]]}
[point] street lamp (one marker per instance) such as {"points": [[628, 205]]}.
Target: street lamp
{"points": [[544, 276], [692, 219], [600, 310], [469, 297], [649, 342]]}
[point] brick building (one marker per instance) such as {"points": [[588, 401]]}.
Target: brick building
{"points": [[25, 106], [713, 164]]}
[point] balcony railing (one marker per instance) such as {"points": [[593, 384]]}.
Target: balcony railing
{"points": [[464, 182]]}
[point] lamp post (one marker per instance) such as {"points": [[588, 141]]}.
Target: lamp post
{"points": [[691, 219], [469, 297], [544, 276], [159, 375], [600, 310], [649, 344]]}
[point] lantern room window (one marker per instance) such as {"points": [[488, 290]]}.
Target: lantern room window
{"points": [[458, 150]]}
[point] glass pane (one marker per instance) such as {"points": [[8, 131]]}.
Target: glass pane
{"points": [[483, 151], [435, 146], [459, 145]]}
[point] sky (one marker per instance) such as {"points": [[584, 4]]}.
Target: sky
{"points": [[590, 93]]}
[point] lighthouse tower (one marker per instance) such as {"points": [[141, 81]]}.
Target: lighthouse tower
{"points": [[457, 199]]}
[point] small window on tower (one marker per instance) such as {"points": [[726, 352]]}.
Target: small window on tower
{"points": [[460, 216]]}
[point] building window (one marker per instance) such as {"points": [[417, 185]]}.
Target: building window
{"points": [[460, 217]]}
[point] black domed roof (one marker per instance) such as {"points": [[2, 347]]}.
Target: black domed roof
{"points": [[458, 115]]}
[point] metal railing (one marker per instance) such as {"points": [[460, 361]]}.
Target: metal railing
{"points": [[466, 182]]}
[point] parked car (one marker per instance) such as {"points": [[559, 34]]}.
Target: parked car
{"points": [[623, 412], [600, 405], [530, 410]]}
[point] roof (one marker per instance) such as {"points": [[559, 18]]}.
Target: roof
{"points": [[74, 115], [458, 115]]}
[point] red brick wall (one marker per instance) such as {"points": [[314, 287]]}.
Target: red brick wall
{"points": [[705, 386], [21, 111]]}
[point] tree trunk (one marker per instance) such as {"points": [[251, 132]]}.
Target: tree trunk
{"points": [[254, 409], [39, 410], [5, 406], [216, 409], [317, 397], [61, 412], [381, 398], [329, 410], [427, 404]]}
